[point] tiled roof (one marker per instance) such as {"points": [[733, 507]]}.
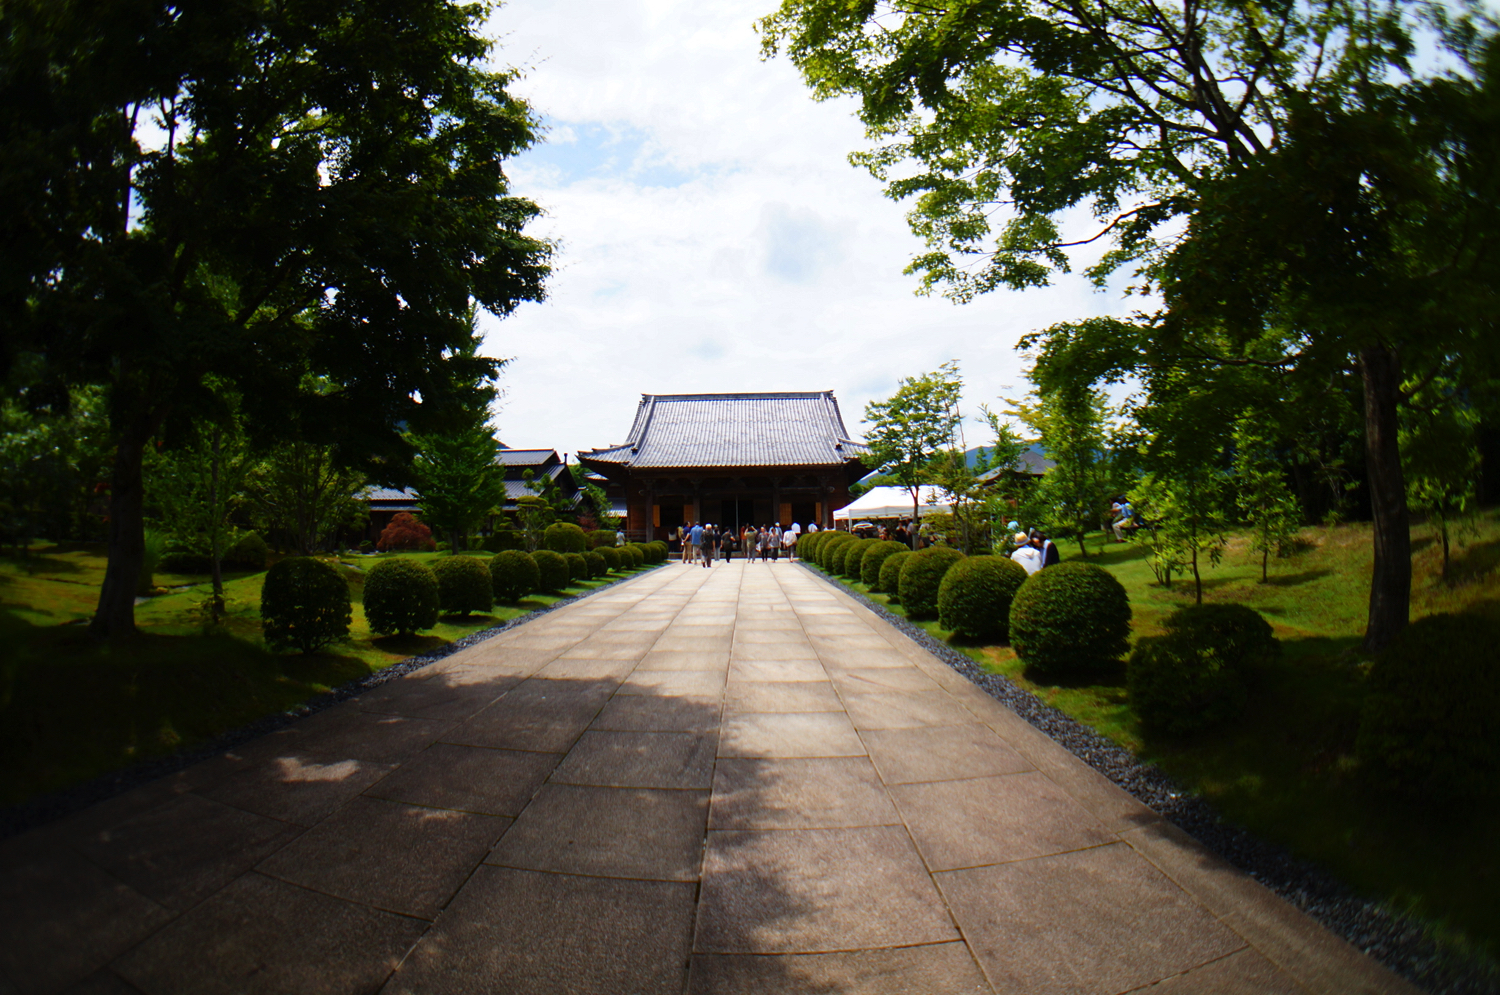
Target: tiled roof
{"points": [[525, 457], [388, 494], [726, 430]]}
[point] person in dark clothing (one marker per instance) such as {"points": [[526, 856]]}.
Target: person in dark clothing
{"points": [[728, 544], [710, 543], [1050, 556]]}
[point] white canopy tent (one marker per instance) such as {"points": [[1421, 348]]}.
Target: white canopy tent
{"points": [[891, 502]]}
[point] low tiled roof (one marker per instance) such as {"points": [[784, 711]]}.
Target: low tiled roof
{"points": [[727, 430], [388, 494], [525, 457]]}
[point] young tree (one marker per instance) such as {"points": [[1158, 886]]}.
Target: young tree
{"points": [[253, 192], [909, 428], [1072, 423], [458, 481], [198, 485], [1383, 262], [307, 491], [1439, 446], [1261, 492]]}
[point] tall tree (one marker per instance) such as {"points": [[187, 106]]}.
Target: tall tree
{"points": [[911, 427], [306, 491], [1264, 499], [1330, 194], [1071, 421], [1440, 447], [458, 481], [253, 192]]}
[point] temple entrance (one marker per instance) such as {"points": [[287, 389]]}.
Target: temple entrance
{"points": [[735, 512]]}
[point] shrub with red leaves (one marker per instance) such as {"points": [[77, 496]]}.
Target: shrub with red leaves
{"points": [[405, 532]]}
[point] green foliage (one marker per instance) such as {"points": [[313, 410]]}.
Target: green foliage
{"points": [[464, 585], [1440, 454], [156, 545], [405, 532], [662, 550], [1191, 506], [1431, 718], [828, 546], [1178, 686], [838, 559], [602, 537], [1261, 492], [52, 454], [248, 553], [1071, 423], [535, 515], [921, 576], [874, 558], [807, 546], [890, 573], [1068, 618], [304, 605], [456, 475], [564, 537], [1236, 634], [912, 426], [975, 595], [552, 570], [634, 553], [401, 596], [578, 567], [305, 492], [504, 539], [513, 575], [598, 567], [613, 558]]}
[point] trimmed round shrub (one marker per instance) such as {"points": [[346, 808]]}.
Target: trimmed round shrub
{"points": [[463, 585], [597, 565], [304, 604], [827, 547], [601, 537], [401, 596], [552, 570], [838, 559], [890, 573], [578, 567], [1178, 686], [921, 576], [249, 553], [875, 556], [1070, 617], [1236, 634], [854, 559], [662, 550], [613, 558], [564, 537], [975, 594], [1430, 724], [513, 575], [807, 545], [636, 554]]}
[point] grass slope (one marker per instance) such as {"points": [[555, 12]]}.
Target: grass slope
{"points": [[1285, 770], [72, 708]]}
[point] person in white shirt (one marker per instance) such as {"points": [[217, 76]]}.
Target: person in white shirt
{"points": [[1027, 555]]}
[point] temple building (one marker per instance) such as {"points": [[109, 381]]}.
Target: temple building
{"points": [[731, 459]]}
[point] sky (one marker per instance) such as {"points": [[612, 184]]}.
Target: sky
{"points": [[713, 236]]}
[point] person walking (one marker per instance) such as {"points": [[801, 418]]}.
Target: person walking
{"points": [[684, 538], [747, 542], [1027, 555], [710, 543], [1123, 514], [789, 543], [695, 542], [774, 540], [727, 543]]}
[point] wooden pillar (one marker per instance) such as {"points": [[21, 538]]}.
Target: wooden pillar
{"points": [[827, 491], [649, 486], [776, 500]]}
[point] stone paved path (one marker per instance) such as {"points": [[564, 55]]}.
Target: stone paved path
{"points": [[725, 781]]}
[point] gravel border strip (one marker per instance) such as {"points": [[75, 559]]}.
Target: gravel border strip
{"points": [[17, 819], [1397, 941]]}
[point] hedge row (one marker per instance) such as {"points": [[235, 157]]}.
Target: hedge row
{"points": [[305, 602]]}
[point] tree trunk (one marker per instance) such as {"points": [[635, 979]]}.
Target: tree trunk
{"points": [[215, 526], [1197, 578], [1445, 550], [115, 615], [1265, 564], [1390, 583], [915, 504]]}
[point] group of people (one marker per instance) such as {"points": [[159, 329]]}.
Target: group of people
{"points": [[1034, 550], [701, 541]]}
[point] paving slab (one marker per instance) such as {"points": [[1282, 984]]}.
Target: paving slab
{"points": [[713, 781]]}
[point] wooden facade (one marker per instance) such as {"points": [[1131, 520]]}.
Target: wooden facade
{"points": [[733, 460]]}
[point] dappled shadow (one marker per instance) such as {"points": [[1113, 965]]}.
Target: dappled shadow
{"points": [[42, 563], [1472, 562], [1111, 676]]}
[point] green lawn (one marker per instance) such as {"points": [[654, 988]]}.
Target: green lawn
{"points": [[1285, 770], [72, 708]]}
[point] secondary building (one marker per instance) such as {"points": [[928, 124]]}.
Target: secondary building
{"points": [[731, 459]]}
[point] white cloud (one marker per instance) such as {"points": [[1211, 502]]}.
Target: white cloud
{"points": [[714, 237]]}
